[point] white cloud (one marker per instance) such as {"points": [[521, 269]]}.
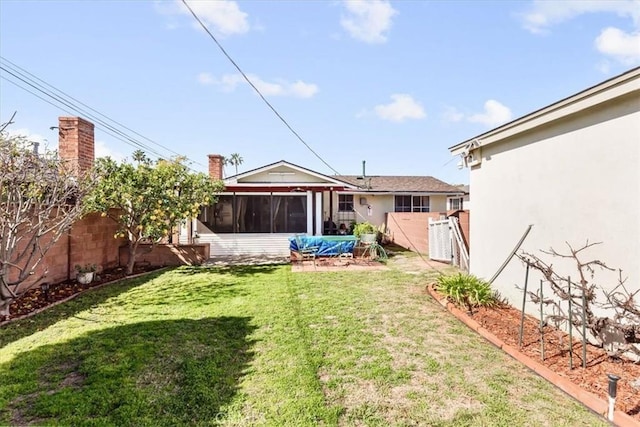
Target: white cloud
{"points": [[613, 42], [451, 114], [102, 150], [223, 17], [543, 14], [280, 87], [368, 20], [29, 136], [205, 79], [494, 114], [402, 108], [624, 47]]}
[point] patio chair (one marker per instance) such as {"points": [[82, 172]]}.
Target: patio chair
{"points": [[305, 250]]}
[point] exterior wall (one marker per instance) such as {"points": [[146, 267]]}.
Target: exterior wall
{"points": [[167, 255], [288, 176], [90, 241], [411, 229], [268, 244], [575, 179]]}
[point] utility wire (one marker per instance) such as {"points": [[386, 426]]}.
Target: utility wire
{"points": [[43, 87], [70, 105], [107, 131], [15, 66], [204, 27]]}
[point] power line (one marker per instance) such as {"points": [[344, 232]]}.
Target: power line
{"points": [[204, 27], [105, 130], [50, 91]]}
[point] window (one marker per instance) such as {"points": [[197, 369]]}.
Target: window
{"points": [[411, 204], [455, 203], [256, 214], [345, 202], [402, 204], [420, 203]]}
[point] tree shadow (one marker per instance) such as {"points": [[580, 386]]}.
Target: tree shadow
{"points": [[235, 270], [170, 372], [21, 328]]}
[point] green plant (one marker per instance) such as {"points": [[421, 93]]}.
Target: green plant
{"points": [[466, 290], [87, 268], [364, 228]]}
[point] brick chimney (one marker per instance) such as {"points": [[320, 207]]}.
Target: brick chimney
{"points": [[76, 143], [216, 165]]}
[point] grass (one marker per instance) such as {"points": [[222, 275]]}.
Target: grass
{"points": [[264, 346]]}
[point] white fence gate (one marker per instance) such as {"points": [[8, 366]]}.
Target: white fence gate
{"points": [[446, 243]]}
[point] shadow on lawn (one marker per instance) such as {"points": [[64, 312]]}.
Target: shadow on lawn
{"points": [[173, 372], [21, 328], [235, 270]]}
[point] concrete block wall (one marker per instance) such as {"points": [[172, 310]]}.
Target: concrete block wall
{"points": [[411, 229], [167, 254]]}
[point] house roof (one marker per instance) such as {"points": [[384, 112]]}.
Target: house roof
{"points": [[622, 85], [401, 184]]}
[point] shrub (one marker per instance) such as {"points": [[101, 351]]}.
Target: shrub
{"points": [[466, 290], [364, 228]]}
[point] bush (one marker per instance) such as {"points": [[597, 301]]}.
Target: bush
{"points": [[466, 290], [364, 228]]}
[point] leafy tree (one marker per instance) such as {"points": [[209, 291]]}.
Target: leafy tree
{"points": [[234, 160], [39, 201], [147, 199]]}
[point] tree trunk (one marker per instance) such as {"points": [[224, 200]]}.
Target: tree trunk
{"points": [[6, 297], [133, 246]]}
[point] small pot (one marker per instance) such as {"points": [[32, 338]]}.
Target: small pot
{"points": [[85, 278]]}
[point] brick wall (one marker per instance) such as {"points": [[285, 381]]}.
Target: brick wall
{"points": [[76, 144], [216, 165], [411, 229]]}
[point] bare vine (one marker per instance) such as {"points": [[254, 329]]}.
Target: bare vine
{"points": [[620, 301]]}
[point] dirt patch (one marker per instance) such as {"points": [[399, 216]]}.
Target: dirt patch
{"points": [[337, 264]]}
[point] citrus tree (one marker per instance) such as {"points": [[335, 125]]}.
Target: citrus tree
{"points": [[149, 198], [39, 201]]}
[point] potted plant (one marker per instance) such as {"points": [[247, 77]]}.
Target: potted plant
{"points": [[366, 232], [85, 273]]}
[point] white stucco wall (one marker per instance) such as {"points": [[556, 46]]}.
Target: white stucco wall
{"points": [[574, 179]]}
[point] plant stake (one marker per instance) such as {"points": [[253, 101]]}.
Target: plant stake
{"points": [[584, 331], [541, 323], [570, 327], [524, 300]]}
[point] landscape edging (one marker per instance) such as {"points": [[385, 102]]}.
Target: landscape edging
{"points": [[70, 297], [588, 399]]}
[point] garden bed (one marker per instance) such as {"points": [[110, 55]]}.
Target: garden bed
{"points": [[504, 323], [35, 299]]}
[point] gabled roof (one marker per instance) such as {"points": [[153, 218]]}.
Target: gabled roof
{"points": [[622, 85], [283, 168], [401, 184]]}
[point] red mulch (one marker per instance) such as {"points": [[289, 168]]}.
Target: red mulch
{"points": [[504, 323], [34, 299]]}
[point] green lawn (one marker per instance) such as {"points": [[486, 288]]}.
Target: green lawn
{"points": [[261, 345]]}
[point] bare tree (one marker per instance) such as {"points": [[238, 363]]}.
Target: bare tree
{"points": [[39, 201], [624, 321]]}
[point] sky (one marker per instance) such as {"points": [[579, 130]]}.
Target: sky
{"points": [[392, 83]]}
